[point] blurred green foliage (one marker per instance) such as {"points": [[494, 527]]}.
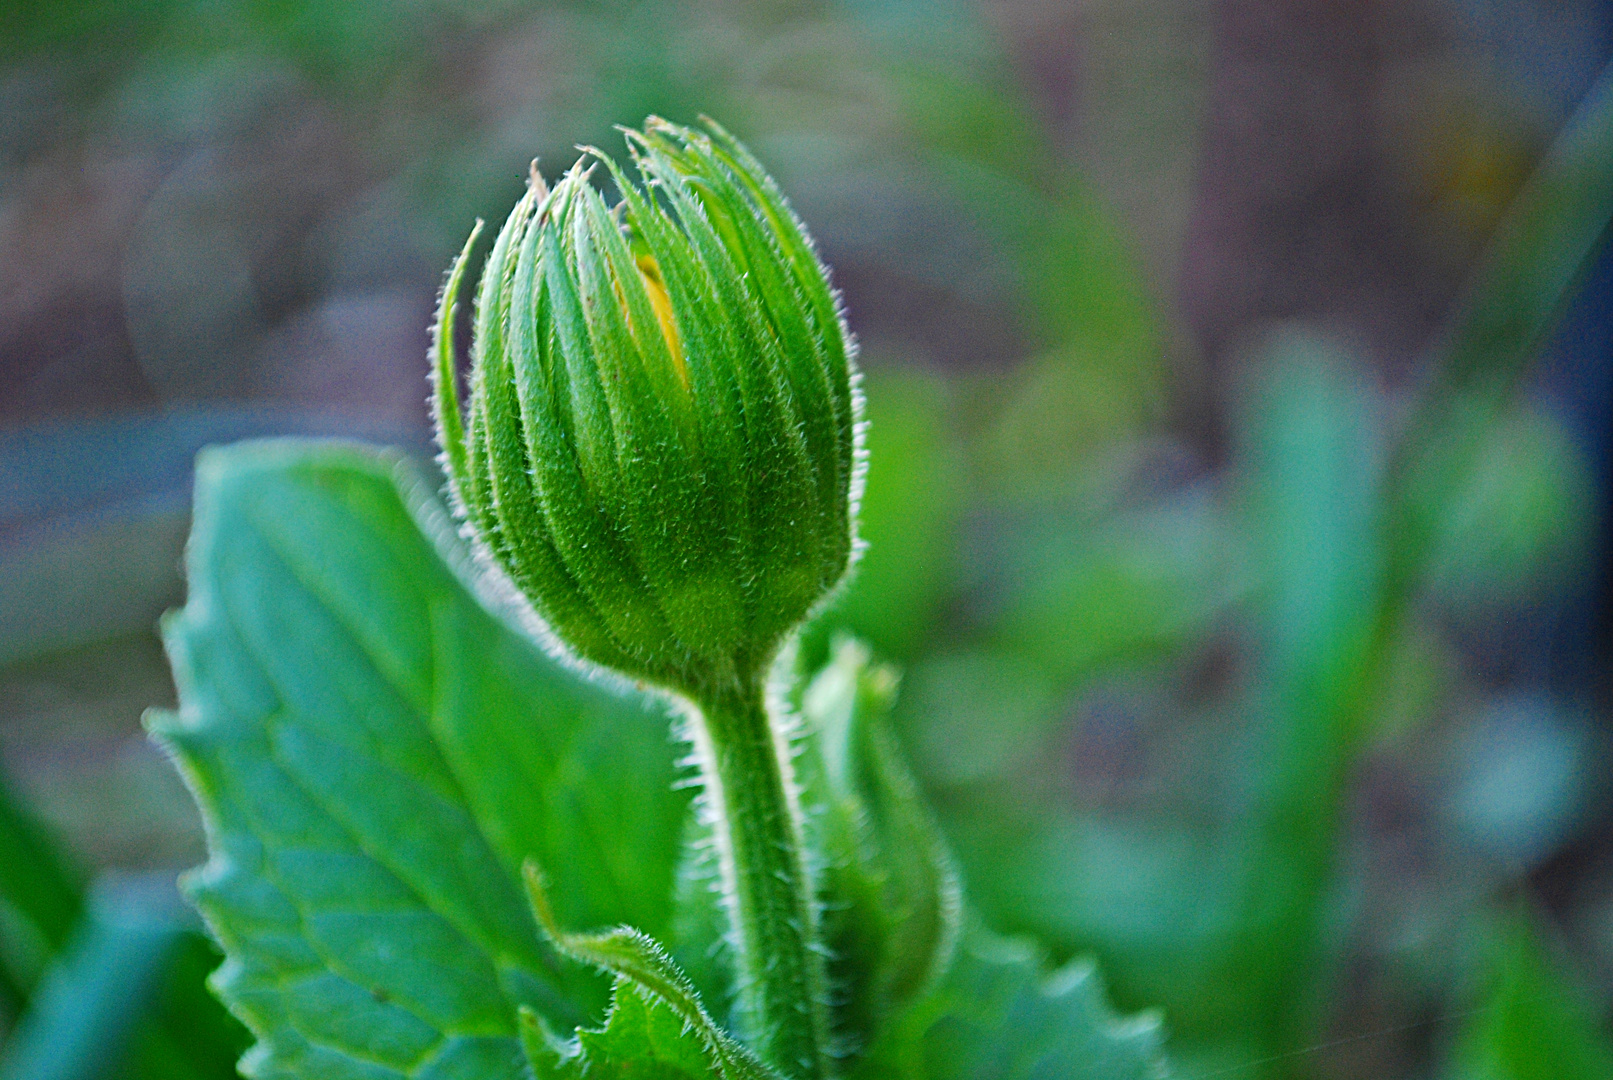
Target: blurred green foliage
{"points": [[1141, 690], [114, 986], [1533, 1023]]}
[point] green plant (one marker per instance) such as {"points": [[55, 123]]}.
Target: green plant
{"points": [[107, 984], [660, 456], [1228, 914]]}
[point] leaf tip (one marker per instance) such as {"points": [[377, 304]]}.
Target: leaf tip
{"points": [[537, 894]]}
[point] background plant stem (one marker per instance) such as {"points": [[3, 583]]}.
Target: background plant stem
{"points": [[1538, 253], [779, 967]]}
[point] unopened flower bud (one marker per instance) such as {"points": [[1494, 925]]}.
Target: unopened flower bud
{"points": [[660, 447]]}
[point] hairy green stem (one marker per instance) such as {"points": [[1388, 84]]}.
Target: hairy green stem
{"points": [[779, 964]]}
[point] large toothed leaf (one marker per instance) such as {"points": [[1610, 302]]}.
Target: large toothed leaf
{"points": [[375, 756], [999, 1016]]}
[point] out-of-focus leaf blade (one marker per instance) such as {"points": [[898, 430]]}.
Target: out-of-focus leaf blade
{"points": [[1315, 457], [187, 1035], [997, 1014], [103, 983], [1532, 1026], [1534, 260], [902, 577], [175, 1031], [1315, 462], [35, 882], [375, 755]]}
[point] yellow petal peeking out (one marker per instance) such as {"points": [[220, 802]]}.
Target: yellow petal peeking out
{"points": [[662, 304]]}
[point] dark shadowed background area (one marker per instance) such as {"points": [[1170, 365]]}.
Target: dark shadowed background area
{"points": [[1254, 634]]}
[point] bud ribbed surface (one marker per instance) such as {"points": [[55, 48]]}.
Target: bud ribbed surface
{"points": [[660, 446]]}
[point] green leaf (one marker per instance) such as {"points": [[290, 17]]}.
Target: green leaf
{"points": [[891, 895], [1313, 449], [643, 1039], [1529, 272], [37, 885], [997, 1015], [1314, 453], [124, 999], [100, 987], [375, 756], [1133, 587], [123, 994], [658, 996], [1521, 523], [902, 578], [189, 1035], [1534, 1026]]}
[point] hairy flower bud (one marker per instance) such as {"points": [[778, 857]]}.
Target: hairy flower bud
{"points": [[661, 443]]}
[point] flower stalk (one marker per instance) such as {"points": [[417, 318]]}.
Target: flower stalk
{"points": [[780, 974], [661, 452]]}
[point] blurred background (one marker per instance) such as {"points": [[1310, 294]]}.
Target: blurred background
{"points": [[1239, 500]]}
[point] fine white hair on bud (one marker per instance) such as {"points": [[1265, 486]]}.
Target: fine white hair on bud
{"points": [[662, 451], [661, 442]]}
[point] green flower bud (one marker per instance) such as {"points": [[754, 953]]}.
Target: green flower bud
{"points": [[661, 446]]}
